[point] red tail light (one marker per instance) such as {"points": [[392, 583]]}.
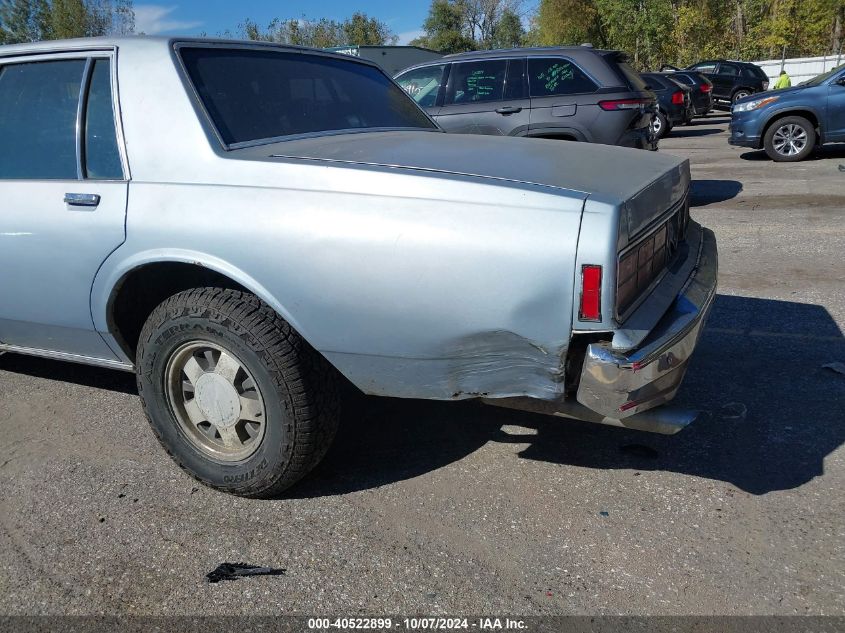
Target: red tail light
{"points": [[678, 98], [590, 309], [705, 88], [624, 104]]}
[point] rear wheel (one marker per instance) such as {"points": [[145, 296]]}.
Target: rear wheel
{"points": [[234, 395], [790, 139], [660, 125]]}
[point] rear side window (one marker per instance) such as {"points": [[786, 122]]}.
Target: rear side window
{"points": [[479, 81], [684, 79], [706, 67], [423, 84], [729, 69], [754, 71], [102, 158], [38, 106], [255, 95], [549, 77]]}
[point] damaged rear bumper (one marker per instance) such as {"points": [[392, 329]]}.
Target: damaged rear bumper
{"points": [[618, 385]]}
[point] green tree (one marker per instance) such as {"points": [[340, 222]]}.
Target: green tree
{"points": [[444, 29], [643, 28], [30, 20], [562, 22], [361, 30], [358, 30], [16, 18], [508, 31]]}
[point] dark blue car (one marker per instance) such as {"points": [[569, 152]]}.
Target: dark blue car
{"points": [[789, 124]]}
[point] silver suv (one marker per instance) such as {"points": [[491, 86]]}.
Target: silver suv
{"points": [[574, 93]]}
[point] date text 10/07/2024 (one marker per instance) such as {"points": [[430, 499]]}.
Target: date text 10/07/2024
{"points": [[416, 624]]}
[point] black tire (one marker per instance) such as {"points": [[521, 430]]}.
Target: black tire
{"points": [[773, 147], [298, 386], [660, 125]]}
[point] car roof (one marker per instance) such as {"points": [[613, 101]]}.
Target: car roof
{"points": [[720, 61], [145, 42], [535, 51]]}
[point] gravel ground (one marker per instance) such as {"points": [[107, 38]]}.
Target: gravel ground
{"points": [[439, 508]]}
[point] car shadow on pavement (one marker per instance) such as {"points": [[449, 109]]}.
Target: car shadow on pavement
{"points": [[704, 192], [772, 415], [85, 375], [690, 132], [834, 151]]}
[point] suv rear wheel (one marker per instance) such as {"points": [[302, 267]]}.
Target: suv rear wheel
{"points": [[235, 396], [790, 139], [660, 125]]}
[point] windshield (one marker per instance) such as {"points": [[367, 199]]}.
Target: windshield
{"points": [[819, 79], [253, 95]]}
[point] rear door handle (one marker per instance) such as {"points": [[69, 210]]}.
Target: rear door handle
{"points": [[508, 110], [82, 199]]}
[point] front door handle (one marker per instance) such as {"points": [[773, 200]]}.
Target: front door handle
{"points": [[508, 110], [82, 199]]}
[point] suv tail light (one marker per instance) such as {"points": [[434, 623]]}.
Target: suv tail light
{"points": [[705, 88], [590, 308], [678, 98], [765, 86], [624, 104]]}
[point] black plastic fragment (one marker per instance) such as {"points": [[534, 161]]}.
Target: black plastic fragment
{"points": [[233, 571]]}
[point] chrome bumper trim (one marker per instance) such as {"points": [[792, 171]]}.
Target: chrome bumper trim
{"points": [[619, 385]]}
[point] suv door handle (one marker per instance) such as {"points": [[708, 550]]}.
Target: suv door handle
{"points": [[508, 110], [82, 199]]}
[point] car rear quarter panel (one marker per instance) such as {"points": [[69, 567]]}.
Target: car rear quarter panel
{"points": [[414, 286]]}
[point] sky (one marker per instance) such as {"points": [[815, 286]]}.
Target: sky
{"points": [[191, 17]]}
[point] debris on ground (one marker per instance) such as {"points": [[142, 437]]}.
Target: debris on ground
{"points": [[838, 367], [233, 571]]}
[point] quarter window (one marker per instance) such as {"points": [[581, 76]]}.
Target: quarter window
{"points": [[549, 77], [474, 82], [38, 106], [102, 158], [423, 84]]}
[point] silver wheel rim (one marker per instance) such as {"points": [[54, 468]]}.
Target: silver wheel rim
{"points": [[656, 125], [789, 139], [215, 400], [741, 95]]}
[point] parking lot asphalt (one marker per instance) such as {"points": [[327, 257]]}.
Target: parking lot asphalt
{"points": [[440, 508]]}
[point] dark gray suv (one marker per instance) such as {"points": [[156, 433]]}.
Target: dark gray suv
{"points": [[575, 93]]}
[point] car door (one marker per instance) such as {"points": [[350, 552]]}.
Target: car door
{"points": [[836, 109], [725, 80], [424, 85], [486, 97], [563, 96], [63, 196]]}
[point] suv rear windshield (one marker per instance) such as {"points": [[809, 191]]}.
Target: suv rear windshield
{"points": [[253, 95], [626, 73]]}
